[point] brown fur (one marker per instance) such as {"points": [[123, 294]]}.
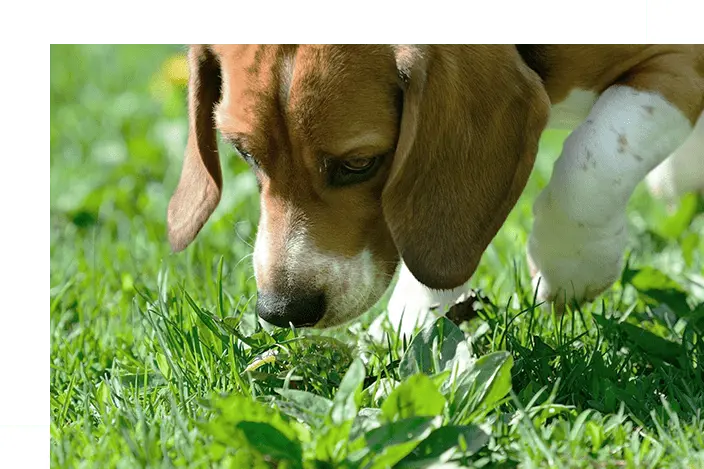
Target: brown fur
{"points": [[676, 71], [461, 145], [198, 191]]}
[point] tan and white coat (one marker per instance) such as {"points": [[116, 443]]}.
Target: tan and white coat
{"points": [[453, 134]]}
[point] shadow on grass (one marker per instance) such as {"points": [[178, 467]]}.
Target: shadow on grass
{"points": [[601, 361]]}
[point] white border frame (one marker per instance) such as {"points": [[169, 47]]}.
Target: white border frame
{"points": [[661, 22], [24, 446]]}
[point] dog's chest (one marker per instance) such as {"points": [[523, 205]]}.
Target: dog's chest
{"points": [[570, 112]]}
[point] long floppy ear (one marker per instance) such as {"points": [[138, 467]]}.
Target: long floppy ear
{"points": [[472, 117], [198, 191]]}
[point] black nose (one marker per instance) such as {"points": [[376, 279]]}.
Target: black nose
{"points": [[299, 309]]}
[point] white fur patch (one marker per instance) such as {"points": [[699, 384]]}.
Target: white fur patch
{"points": [[221, 114], [579, 233], [352, 286], [262, 252]]}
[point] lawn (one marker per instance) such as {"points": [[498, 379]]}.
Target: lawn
{"points": [[157, 359]]}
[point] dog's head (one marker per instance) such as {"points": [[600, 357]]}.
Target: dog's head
{"points": [[364, 155]]}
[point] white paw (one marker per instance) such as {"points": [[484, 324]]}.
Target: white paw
{"points": [[572, 261]]}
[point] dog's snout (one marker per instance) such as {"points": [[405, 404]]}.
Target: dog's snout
{"points": [[300, 309]]}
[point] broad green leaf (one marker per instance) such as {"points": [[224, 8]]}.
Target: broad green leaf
{"points": [[646, 341], [445, 443], [347, 397], [367, 419], [391, 455], [494, 379], [235, 408], [390, 443], [304, 406], [163, 365], [652, 344], [271, 442], [486, 383], [660, 288], [437, 344], [416, 396], [331, 442], [398, 432], [649, 278]]}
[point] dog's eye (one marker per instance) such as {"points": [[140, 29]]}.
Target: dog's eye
{"points": [[353, 170], [246, 156], [358, 165]]}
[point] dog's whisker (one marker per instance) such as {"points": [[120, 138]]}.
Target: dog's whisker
{"points": [[239, 235], [244, 258]]}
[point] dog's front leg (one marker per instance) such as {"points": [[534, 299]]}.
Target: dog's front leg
{"points": [[579, 233]]}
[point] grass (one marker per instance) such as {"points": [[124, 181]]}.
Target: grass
{"points": [[157, 360]]}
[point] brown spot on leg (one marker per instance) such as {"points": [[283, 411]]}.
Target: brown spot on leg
{"points": [[622, 143], [649, 109]]}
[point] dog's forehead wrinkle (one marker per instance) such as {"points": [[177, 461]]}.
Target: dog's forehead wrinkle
{"points": [[334, 88]]}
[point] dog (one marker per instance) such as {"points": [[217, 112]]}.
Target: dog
{"points": [[369, 157]]}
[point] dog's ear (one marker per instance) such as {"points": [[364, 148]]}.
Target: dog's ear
{"points": [[472, 117], [198, 191]]}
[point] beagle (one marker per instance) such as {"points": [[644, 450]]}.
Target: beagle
{"points": [[371, 156]]}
